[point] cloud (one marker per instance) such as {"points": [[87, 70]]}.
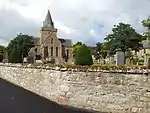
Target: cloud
{"points": [[11, 23], [20, 2], [81, 20]]}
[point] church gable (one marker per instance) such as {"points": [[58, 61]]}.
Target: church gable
{"points": [[50, 46], [65, 42]]}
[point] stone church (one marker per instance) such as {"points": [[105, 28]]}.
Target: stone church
{"points": [[49, 46]]}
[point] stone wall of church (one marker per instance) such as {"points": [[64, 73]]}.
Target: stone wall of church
{"points": [[49, 39], [111, 92]]}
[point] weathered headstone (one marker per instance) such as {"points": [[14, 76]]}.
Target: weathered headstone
{"points": [[112, 59], [120, 57], [146, 57], [31, 56], [132, 61], [127, 61], [25, 60], [148, 63]]}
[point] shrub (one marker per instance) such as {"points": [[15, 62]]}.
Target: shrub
{"points": [[83, 56], [1, 57], [15, 56]]}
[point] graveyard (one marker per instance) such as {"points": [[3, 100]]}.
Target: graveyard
{"points": [[74, 56]]}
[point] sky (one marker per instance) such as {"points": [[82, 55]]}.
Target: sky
{"points": [[88, 21]]}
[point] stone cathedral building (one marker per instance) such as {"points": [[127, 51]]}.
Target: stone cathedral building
{"points": [[49, 46]]}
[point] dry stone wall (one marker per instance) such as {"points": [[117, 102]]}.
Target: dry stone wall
{"points": [[109, 92]]}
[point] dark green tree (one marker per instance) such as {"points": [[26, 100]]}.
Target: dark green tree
{"points": [[146, 23], [76, 47], [83, 56], [99, 51], [19, 47], [2, 51], [123, 38]]}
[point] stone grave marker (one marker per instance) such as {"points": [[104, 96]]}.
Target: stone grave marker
{"points": [[31, 56], [120, 57]]}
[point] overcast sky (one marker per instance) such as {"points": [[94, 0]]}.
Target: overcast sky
{"points": [[88, 21]]}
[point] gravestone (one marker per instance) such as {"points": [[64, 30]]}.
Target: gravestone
{"points": [[132, 61], [112, 59], [31, 56], [148, 63], [120, 57], [128, 61]]}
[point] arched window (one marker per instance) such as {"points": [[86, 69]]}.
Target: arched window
{"points": [[51, 51], [56, 51], [67, 53], [45, 52], [52, 41]]}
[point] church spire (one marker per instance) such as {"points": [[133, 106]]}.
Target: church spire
{"points": [[48, 21]]}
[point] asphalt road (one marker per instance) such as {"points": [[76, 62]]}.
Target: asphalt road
{"points": [[14, 99]]}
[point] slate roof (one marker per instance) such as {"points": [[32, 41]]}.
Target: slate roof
{"points": [[65, 42], [48, 21], [36, 40]]}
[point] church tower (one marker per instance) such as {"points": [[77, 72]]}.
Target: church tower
{"points": [[48, 23], [48, 34]]}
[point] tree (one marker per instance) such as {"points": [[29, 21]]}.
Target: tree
{"points": [[19, 47], [99, 51], [2, 51], [146, 23], [83, 56], [123, 38], [15, 56], [76, 47]]}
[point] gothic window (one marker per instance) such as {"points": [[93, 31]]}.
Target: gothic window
{"points": [[67, 53], [52, 41], [45, 52], [51, 51], [56, 51]]}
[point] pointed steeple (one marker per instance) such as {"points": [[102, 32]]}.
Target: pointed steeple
{"points": [[48, 21]]}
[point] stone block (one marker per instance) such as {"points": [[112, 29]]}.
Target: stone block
{"points": [[147, 94], [145, 99], [62, 100], [81, 100], [134, 109], [69, 94], [64, 88]]}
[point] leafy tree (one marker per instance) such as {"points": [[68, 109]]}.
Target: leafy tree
{"points": [[2, 51], [146, 23], [83, 56], [91, 48], [123, 38], [15, 55], [19, 47], [76, 47], [99, 51]]}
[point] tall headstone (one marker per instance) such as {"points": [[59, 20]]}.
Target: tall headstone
{"points": [[127, 61], [31, 56], [132, 61], [120, 58], [112, 59], [148, 63]]}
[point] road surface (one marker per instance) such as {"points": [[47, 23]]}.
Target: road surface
{"points": [[14, 99]]}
